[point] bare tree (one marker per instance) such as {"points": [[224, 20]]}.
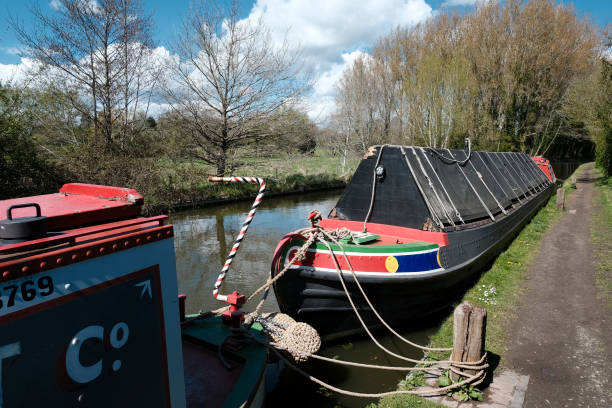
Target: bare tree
{"points": [[230, 81], [499, 74], [100, 49], [361, 105]]}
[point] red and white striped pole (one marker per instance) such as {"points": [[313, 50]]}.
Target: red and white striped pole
{"points": [[243, 230]]}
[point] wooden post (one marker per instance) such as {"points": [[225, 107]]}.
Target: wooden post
{"points": [[560, 198], [469, 331]]}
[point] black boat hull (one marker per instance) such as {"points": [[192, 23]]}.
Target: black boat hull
{"points": [[317, 297]]}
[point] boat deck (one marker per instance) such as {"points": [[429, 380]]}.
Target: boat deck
{"points": [[228, 387], [389, 234]]}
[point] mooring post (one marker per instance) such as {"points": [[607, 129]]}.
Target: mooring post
{"points": [[560, 198], [469, 331]]}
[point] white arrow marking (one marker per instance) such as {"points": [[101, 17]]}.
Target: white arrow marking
{"points": [[146, 288]]}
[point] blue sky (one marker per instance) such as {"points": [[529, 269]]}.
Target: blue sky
{"points": [[332, 33]]}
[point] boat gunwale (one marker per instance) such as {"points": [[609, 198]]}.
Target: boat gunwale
{"points": [[385, 277]]}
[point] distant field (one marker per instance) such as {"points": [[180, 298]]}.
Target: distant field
{"points": [[185, 183]]}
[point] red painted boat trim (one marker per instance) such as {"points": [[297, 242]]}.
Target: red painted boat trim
{"points": [[79, 204], [545, 166], [74, 254], [383, 230], [128, 195], [88, 232]]}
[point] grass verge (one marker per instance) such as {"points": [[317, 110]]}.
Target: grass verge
{"points": [[185, 185], [601, 234], [498, 290]]}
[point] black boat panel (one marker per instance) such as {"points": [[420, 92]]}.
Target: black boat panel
{"points": [[397, 200], [423, 184], [481, 204], [317, 298]]}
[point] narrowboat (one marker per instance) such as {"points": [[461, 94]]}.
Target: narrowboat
{"points": [[414, 227], [90, 314]]}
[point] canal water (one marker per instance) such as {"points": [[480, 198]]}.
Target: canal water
{"points": [[203, 238]]}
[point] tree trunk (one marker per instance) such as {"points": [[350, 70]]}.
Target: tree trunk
{"points": [[221, 161]]}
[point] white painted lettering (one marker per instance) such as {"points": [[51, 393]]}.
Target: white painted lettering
{"points": [[76, 371]]}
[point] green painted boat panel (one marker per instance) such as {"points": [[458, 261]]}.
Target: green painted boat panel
{"points": [[376, 249]]}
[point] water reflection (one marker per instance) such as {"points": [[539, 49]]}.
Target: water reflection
{"points": [[564, 169], [203, 238]]}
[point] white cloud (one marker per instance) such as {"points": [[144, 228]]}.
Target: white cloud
{"points": [[16, 73], [89, 6], [320, 103], [332, 33], [55, 4], [327, 28], [453, 3]]}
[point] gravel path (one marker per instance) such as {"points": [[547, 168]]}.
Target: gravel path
{"points": [[562, 337]]}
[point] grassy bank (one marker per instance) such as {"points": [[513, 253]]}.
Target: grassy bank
{"points": [[601, 234], [498, 290], [181, 185]]}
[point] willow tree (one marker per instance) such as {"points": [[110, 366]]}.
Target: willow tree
{"points": [[231, 80]]}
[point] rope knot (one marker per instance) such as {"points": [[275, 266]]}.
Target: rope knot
{"points": [[314, 217]]}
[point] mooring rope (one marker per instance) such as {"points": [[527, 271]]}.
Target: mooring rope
{"points": [[452, 160], [319, 234], [301, 330], [367, 299], [474, 379], [374, 176], [243, 229]]}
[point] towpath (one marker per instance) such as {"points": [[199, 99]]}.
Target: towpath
{"points": [[562, 338]]}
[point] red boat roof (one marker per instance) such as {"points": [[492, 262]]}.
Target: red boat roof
{"points": [[85, 221], [79, 204]]}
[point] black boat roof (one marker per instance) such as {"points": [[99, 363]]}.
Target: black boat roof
{"points": [[438, 189]]}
